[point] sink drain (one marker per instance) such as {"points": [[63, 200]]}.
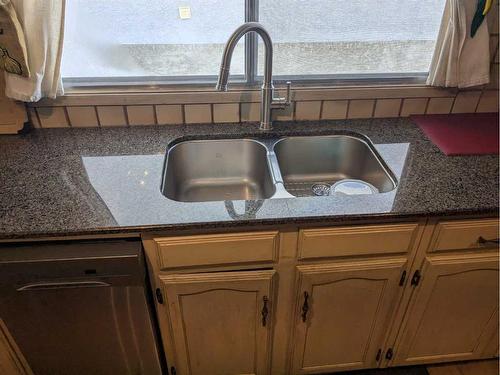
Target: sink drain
{"points": [[321, 189]]}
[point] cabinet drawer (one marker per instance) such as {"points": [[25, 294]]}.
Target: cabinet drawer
{"points": [[217, 249], [467, 234], [356, 240]]}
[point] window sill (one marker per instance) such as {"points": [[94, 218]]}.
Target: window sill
{"points": [[205, 94]]}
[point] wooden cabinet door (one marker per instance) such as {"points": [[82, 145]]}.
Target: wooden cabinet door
{"points": [[454, 314], [12, 362], [220, 322], [343, 313]]}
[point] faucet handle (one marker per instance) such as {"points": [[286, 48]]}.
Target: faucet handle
{"points": [[287, 100]]}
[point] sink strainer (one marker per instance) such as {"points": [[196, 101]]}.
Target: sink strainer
{"points": [[321, 189], [353, 187]]}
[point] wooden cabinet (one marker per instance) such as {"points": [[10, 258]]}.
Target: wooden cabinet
{"points": [[465, 235], [332, 299], [12, 362], [454, 312], [13, 113], [217, 249], [356, 240], [221, 323], [342, 314]]}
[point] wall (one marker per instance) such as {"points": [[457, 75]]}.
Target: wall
{"points": [[91, 109]]}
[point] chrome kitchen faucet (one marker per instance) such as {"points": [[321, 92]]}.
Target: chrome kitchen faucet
{"points": [[268, 101]]}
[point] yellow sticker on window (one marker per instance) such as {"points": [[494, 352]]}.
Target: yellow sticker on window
{"points": [[185, 12]]}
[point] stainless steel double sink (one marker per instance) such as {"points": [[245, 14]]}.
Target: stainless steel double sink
{"points": [[252, 169]]}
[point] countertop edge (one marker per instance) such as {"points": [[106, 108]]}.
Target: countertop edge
{"points": [[137, 231]]}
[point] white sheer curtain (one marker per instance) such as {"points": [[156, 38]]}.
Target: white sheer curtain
{"points": [[459, 60], [43, 25]]}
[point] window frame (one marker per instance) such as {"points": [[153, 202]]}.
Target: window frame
{"points": [[250, 80]]}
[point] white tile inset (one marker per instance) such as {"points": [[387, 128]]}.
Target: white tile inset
{"points": [[387, 108], [227, 112], [488, 101], [362, 108], [141, 115], [308, 110], [466, 102], [198, 113], [113, 115], [250, 112], [285, 114], [81, 117], [52, 117], [334, 109], [439, 105], [414, 106], [169, 114]]}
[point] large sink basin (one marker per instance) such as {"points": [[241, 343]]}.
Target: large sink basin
{"points": [[248, 169], [308, 161], [217, 170]]}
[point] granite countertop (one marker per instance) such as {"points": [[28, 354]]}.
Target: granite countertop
{"points": [[62, 182]]}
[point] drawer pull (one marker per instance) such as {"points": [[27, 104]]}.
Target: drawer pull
{"points": [[484, 242], [265, 311], [305, 306]]}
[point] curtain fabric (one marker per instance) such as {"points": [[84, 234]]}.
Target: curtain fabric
{"points": [[43, 25], [459, 60]]}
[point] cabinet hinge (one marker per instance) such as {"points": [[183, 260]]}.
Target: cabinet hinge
{"points": [[403, 278], [173, 371], [416, 278], [389, 354], [379, 354], [159, 296]]}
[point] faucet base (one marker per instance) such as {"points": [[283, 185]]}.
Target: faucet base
{"points": [[265, 126]]}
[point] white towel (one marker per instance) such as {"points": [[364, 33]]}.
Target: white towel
{"points": [[459, 60], [43, 25]]}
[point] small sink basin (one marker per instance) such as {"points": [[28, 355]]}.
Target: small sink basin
{"points": [[217, 170], [308, 161]]}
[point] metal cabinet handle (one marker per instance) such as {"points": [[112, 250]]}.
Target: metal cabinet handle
{"points": [[389, 354], [265, 310], [305, 306], [63, 285], [484, 242]]}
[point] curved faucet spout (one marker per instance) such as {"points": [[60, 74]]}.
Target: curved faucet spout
{"points": [[229, 49], [268, 100]]}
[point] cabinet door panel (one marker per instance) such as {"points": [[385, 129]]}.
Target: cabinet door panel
{"points": [[217, 321], [349, 306], [455, 311], [12, 362]]}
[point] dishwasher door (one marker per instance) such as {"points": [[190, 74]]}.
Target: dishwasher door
{"points": [[79, 308]]}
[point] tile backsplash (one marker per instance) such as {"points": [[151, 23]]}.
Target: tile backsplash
{"points": [[164, 114]]}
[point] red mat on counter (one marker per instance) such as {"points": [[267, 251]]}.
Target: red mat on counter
{"points": [[462, 134]]}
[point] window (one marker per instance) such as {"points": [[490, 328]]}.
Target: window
{"points": [[128, 39], [164, 41]]}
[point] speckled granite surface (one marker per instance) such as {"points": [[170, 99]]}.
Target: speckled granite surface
{"points": [[63, 182]]}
